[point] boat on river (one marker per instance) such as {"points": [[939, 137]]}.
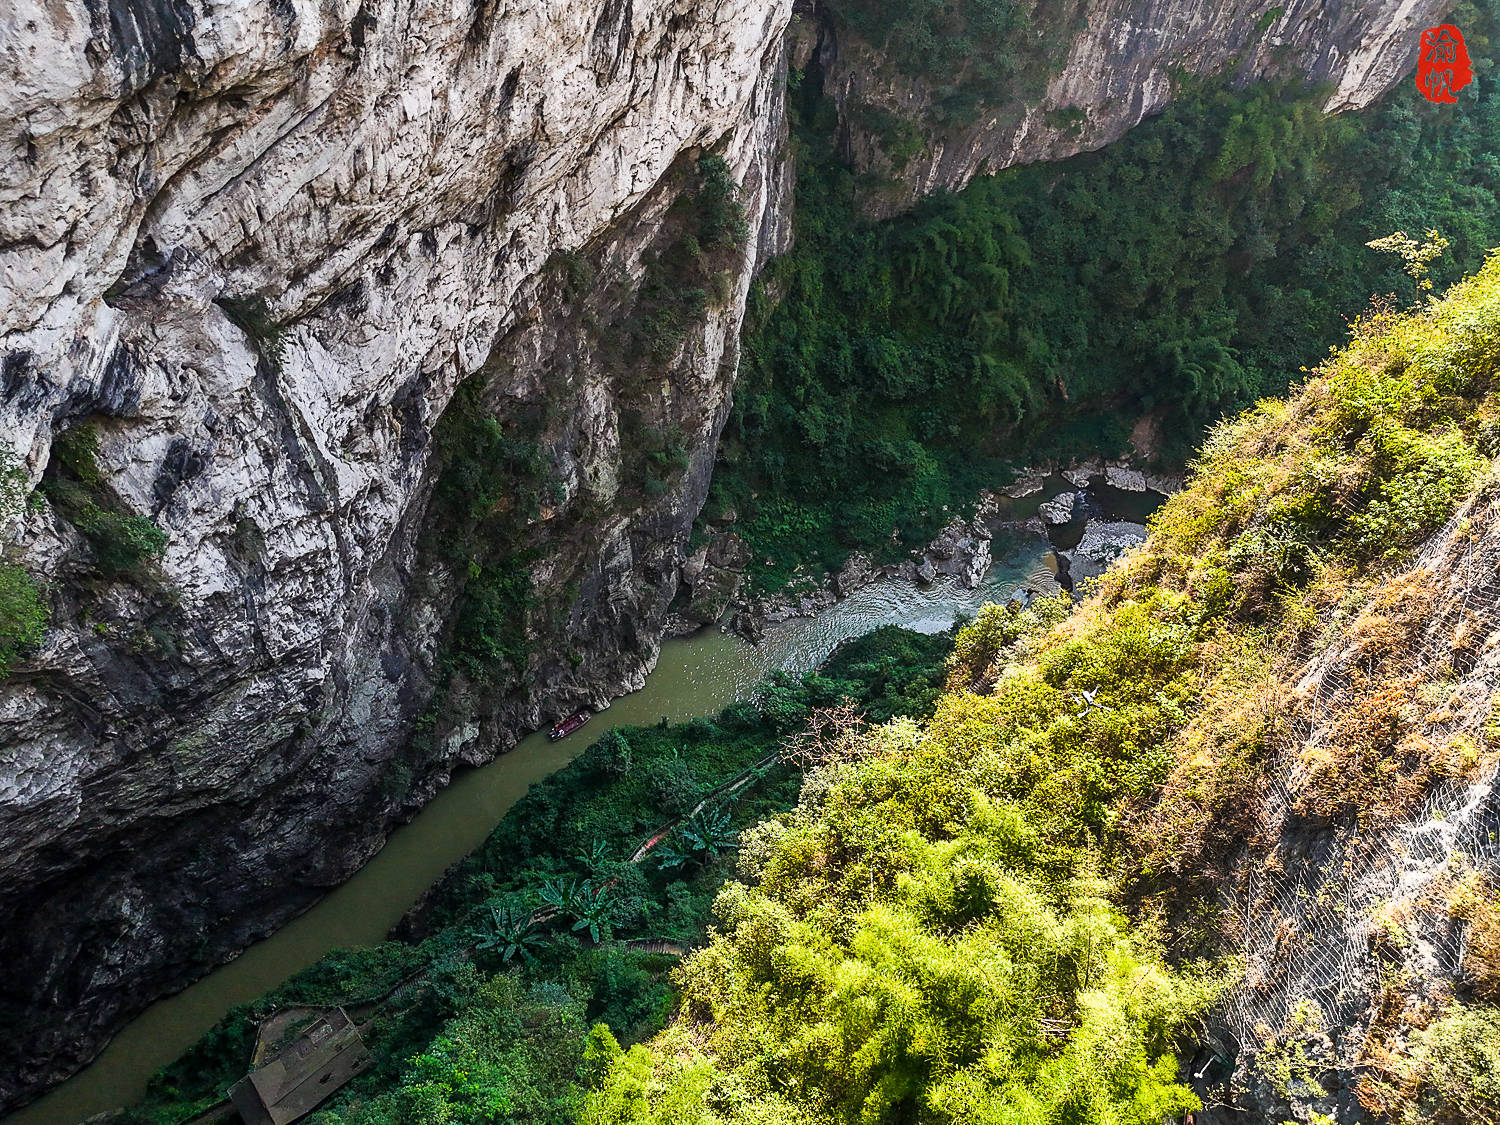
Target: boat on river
{"points": [[569, 725]]}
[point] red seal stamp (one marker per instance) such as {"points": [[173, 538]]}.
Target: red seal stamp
{"points": [[1443, 63]]}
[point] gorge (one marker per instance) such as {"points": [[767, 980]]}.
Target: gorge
{"points": [[413, 330]]}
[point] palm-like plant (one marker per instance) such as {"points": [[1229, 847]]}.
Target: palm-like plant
{"points": [[669, 854], [562, 895], [596, 857], [593, 909], [509, 930], [709, 832]]}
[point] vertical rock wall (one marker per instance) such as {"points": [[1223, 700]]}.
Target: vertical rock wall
{"points": [[375, 190]]}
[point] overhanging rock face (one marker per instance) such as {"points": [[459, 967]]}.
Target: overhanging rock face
{"points": [[256, 246]]}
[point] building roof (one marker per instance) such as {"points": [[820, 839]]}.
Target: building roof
{"points": [[302, 1075]]}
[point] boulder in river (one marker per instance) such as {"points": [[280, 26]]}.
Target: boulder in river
{"points": [[1059, 510], [1125, 478], [1101, 545], [712, 593], [961, 554], [1026, 484], [1081, 475], [858, 572]]}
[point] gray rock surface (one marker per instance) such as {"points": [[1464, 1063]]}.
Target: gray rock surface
{"points": [[1125, 478], [961, 551], [190, 761], [1027, 483], [858, 572], [1104, 541], [1081, 476], [1059, 510]]}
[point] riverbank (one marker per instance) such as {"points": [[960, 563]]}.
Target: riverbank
{"points": [[569, 913], [1088, 513]]}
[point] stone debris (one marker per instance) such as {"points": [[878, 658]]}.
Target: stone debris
{"points": [[858, 572], [1103, 543], [1028, 484]]}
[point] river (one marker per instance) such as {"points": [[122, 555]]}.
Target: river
{"points": [[697, 675]]}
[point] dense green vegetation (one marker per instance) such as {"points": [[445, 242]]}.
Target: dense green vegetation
{"points": [[549, 928], [491, 486], [968, 52], [23, 613], [1183, 273], [934, 934], [122, 542]]}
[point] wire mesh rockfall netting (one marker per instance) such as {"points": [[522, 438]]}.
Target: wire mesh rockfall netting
{"points": [[1386, 797]]}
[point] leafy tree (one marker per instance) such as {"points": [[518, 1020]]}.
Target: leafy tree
{"points": [[1417, 256]]}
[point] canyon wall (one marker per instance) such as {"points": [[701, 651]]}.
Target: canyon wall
{"points": [[256, 248], [1111, 66], [197, 753]]}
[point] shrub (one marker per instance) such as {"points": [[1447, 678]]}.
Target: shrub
{"points": [[123, 542], [23, 613], [1448, 1075]]}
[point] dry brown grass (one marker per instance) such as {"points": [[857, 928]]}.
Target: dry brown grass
{"points": [[1475, 900]]}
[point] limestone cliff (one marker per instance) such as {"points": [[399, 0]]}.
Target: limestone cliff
{"points": [[256, 247], [1111, 66], [193, 757]]}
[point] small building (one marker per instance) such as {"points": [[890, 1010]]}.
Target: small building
{"points": [[302, 1075]]}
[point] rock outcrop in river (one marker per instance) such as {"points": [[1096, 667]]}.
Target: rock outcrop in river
{"points": [[253, 249]]}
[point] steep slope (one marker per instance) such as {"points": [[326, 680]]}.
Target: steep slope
{"points": [[1268, 736], [249, 253]]}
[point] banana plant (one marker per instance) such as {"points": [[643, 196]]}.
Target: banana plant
{"points": [[593, 909], [557, 894], [670, 854], [596, 857], [709, 832], [511, 931]]}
